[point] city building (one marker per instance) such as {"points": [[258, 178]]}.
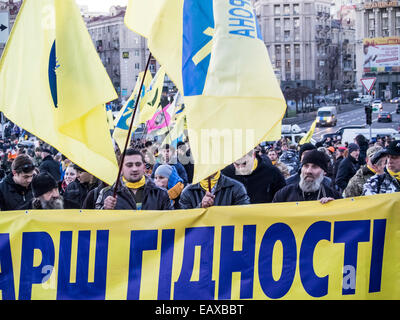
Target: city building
{"points": [[124, 53], [378, 46], [298, 35], [12, 7]]}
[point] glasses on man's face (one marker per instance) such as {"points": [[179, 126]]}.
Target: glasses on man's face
{"points": [[27, 168]]}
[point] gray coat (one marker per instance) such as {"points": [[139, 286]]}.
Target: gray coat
{"points": [[228, 192]]}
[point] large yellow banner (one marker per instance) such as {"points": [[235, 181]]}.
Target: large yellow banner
{"points": [[346, 249]]}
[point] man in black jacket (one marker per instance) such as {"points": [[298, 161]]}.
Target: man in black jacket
{"points": [[348, 167], [135, 191], [217, 190], [261, 179], [50, 165], [15, 189], [310, 186]]}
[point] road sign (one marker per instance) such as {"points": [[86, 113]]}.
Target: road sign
{"points": [[368, 83], [4, 26]]}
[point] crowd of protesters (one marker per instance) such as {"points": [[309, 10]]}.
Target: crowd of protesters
{"points": [[155, 177]]}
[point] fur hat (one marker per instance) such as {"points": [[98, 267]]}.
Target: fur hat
{"points": [[43, 183], [316, 157]]}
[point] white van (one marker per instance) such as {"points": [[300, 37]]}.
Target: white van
{"points": [[349, 134], [327, 116]]}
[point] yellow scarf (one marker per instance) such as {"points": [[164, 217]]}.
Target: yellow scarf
{"points": [[214, 180], [373, 170], [274, 162], [394, 174], [255, 165], [175, 191], [135, 185]]}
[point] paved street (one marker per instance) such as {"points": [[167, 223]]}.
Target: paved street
{"points": [[356, 117]]}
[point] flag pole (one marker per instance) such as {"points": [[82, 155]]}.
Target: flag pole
{"points": [[128, 138]]}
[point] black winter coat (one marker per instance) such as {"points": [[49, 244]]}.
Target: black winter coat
{"points": [[262, 183], [13, 196], [52, 167], [293, 193], [154, 198], [75, 194], [228, 192], [347, 169]]}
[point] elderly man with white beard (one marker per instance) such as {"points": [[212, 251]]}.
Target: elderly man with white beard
{"points": [[45, 193], [310, 186]]}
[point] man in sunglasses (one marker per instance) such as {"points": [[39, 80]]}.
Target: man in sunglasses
{"points": [[15, 189]]}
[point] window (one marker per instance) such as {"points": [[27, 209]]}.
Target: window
{"points": [[297, 63], [286, 24], [277, 10], [277, 25], [296, 9], [278, 51], [286, 9], [137, 66], [297, 49], [287, 35], [287, 50]]}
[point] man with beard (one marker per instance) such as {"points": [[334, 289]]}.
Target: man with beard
{"points": [[46, 194], [310, 186]]}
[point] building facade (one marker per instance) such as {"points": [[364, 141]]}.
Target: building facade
{"points": [[378, 29], [124, 53], [12, 7], [298, 35]]}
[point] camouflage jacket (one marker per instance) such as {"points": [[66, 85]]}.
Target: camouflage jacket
{"points": [[383, 183], [355, 186]]}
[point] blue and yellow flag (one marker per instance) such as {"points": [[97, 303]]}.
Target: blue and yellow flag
{"points": [[214, 53], [124, 118], [54, 85], [151, 101]]}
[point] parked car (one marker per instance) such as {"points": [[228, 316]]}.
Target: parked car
{"points": [[395, 100], [384, 116], [377, 104], [338, 134], [398, 108]]}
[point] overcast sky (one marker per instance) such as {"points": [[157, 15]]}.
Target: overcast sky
{"points": [[101, 5]]}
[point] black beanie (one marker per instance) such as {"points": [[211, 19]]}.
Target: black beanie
{"points": [[318, 158], [43, 183], [306, 147]]}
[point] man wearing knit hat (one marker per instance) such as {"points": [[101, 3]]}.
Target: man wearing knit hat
{"points": [[356, 183], [45, 193], [310, 186], [389, 181], [348, 167]]}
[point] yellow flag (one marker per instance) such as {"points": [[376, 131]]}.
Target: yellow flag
{"points": [[124, 118], [152, 98], [54, 85], [214, 53], [308, 136]]}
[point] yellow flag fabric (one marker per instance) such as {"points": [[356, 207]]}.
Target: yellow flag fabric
{"points": [[54, 85], [308, 136], [152, 98], [214, 53], [124, 118], [348, 249]]}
